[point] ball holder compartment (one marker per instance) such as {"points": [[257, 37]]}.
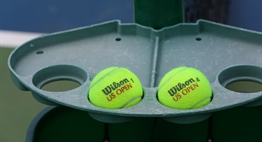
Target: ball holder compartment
{"points": [[224, 54]]}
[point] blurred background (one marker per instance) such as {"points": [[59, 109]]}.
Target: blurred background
{"points": [[53, 15]]}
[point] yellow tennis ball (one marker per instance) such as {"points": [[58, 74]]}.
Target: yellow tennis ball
{"points": [[184, 88], [115, 88]]}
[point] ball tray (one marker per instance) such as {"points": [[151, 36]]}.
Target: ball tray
{"points": [[223, 53]]}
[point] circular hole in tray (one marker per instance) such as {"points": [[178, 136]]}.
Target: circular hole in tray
{"points": [[39, 52], [59, 78], [60, 85], [245, 86], [244, 78], [118, 39], [198, 39]]}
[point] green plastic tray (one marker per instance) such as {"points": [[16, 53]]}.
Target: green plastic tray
{"points": [[224, 54]]}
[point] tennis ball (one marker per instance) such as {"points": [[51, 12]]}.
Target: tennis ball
{"points": [[115, 88], [184, 88]]}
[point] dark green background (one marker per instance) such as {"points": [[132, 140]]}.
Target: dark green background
{"points": [[232, 125]]}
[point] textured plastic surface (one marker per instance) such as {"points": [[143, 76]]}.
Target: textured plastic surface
{"points": [[224, 54]]}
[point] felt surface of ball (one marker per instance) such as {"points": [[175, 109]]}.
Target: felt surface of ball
{"points": [[184, 88], [115, 88]]}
